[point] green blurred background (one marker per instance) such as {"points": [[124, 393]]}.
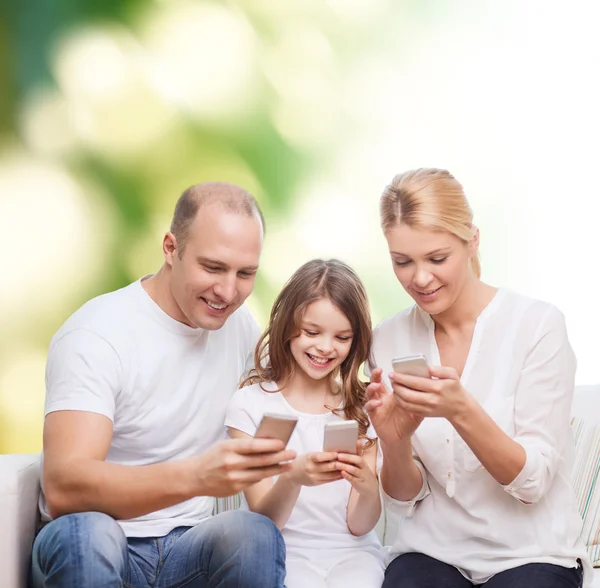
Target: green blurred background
{"points": [[109, 110]]}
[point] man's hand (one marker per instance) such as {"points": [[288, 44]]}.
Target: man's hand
{"points": [[231, 466], [391, 421]]}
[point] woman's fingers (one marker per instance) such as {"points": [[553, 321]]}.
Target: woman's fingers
{"points": [[443, 373], [372, 405]]}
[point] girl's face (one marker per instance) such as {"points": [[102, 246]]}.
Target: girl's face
{"points": [[432, 266], [324, 341]]}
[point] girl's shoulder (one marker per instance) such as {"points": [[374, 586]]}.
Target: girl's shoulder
{"points": [[253, 394], [258, 389]]}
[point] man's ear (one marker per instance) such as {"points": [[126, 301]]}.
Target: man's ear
{"points": [[170, 249]]}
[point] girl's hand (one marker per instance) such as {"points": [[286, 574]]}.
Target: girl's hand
{"points": [[443, 396], [314, 469], [356, 470], [391, 421]]}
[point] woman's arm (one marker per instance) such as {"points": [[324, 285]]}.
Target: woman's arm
{"points": [[526, 463], [500, 455], [542, 414], [401, 478]]}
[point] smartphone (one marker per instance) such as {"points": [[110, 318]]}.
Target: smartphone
{"points": [[411, 365], [341, 436], [276, 426]]}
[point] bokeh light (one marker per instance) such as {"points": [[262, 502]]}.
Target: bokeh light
{"points": [[110, 110]]}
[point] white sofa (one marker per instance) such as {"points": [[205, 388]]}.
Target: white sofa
{"points": [[19, 492]]}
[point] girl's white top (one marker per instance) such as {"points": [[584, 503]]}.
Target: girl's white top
{"points": [[317, 527]]}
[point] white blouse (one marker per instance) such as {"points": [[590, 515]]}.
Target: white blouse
{"points": [[521, 369]]}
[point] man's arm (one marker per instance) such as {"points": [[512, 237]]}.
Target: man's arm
{"points": [[77, 478]]}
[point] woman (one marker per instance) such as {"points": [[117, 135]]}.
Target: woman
{"points": [[474, 456]]}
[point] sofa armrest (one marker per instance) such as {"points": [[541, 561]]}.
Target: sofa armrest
{"points": [[19, 495]]}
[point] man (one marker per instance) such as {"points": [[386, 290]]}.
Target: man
{"points": [[138, 381]]}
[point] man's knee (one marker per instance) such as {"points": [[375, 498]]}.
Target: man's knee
{"points": [[250, 546], [239, 526], [78, 540]]}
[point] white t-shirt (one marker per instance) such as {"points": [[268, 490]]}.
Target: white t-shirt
{"points": [[521, 369], [317, 526], [164, 385]]}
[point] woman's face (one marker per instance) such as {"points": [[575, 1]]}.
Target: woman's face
{"points": [[432, 266]]}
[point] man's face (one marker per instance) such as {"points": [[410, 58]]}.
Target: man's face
{"points": [[216, 272]]}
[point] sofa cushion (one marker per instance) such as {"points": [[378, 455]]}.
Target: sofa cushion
{"points": [[19, 491], [586, 483]]}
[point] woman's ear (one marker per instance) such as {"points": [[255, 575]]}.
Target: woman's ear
{"points": [[473, 245]]}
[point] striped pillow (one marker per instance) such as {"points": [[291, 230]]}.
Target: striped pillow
{"points": [[228, 503], [585, 477]]}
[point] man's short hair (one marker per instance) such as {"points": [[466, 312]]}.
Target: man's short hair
{"points": [[231, 197]]}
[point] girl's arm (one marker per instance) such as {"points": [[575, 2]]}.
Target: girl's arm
{"points": [[273, 499], [276, 499], [364, 505]]}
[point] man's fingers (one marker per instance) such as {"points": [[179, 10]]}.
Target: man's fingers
{"points": [[262, 460], [253, 475], [249, 446]]}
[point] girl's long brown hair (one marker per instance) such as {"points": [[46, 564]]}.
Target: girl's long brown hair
{"points": [[273, 358]]}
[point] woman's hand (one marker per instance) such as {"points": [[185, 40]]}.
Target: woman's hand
{"points": [[392, 422], [440, 396], [356, 470], [314, 469]]}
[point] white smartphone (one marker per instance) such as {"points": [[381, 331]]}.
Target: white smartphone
{"points": [[341, 436], [276, 426], [411, 365]]}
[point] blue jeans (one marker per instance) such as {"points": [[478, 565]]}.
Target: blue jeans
{"points": [[232, 549], [415, 570]]}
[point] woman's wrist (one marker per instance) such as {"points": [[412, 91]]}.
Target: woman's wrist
{"points": [[464, 412], [397, 449]]}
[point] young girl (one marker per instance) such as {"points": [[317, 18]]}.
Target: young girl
{"points": [[307, 364]]}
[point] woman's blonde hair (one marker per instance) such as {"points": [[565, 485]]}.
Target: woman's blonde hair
{"points": [[431, 199]]}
